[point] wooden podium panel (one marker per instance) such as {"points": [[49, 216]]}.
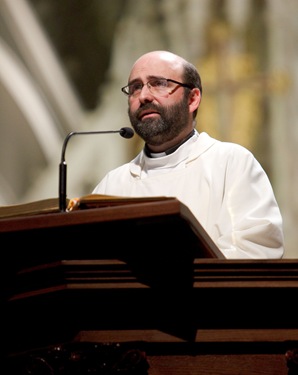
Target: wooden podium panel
{"points": [[139, 232], [240, 317], [147, 279]]}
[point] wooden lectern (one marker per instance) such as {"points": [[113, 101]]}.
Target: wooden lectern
{"points": [[140, 289]]}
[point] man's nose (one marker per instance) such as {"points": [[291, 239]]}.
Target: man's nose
{"points": [[145, 93]]}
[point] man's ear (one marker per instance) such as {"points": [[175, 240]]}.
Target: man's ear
{"points": [[194, 99]]}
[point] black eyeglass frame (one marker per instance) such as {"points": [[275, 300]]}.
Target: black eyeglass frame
{"points": [[124, 88]]}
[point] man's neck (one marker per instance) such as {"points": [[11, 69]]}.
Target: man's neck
{"points": [[168, 151]]}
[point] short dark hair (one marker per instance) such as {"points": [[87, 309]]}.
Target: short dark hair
{"points": [[192, 77]]}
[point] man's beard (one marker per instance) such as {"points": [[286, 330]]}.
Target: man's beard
{"points": [[171, 121]]}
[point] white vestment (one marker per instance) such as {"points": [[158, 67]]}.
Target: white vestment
{"points": [[223, 185]]}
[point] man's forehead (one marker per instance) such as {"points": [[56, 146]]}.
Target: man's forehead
{"points": [[156, 65]]}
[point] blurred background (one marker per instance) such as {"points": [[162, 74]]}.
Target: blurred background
{"points": [[63, 62]]}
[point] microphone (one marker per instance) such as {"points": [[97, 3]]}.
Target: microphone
{"points": [[124, 132]]}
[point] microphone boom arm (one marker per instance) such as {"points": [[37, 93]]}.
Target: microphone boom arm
{"points": [[124, 132]]}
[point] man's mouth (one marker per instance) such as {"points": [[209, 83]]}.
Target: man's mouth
{"points": [[148, 114]]}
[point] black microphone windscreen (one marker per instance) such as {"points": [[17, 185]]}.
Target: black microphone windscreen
{"points": [[127, 132]]}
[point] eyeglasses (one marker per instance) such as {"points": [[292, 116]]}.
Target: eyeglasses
{"points": [[157, 86]]}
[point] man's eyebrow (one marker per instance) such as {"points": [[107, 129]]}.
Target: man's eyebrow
{"points": [[134, 80], [148, 78], [156, 77]]}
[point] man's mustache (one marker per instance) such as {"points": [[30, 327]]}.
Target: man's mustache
{"points": [[147, 107]]}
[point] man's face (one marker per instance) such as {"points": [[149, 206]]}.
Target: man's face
{"points": [[158, 118], [161, 110]]}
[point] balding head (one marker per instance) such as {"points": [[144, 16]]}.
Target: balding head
{"points": [[173, 61]]}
